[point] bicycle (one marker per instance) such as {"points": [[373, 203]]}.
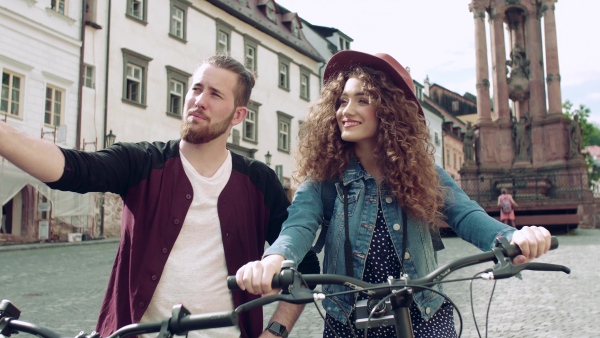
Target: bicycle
{"points": [[389, 303], [392, 307]]}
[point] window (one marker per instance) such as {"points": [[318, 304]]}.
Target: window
{"points": [[88, 76], [135, 77], [251, 46], [455, 167], [12, 89], [447, 158], [177, 88], [136, 9], [223, 36], [250, 126], [271, 11], [284, 72], [59, 6], [455, 105], [178, 27], [279, 172], [176, 94], [54, 106], [295, 28], [304, 83], [134, 83], [284, 122], [437, 139], [344, 43]]}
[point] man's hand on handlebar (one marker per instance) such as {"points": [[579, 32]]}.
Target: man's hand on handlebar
{"points": [[533, 242], [255, 277]]}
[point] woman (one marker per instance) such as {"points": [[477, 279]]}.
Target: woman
{"points": [[367, 132], [507, 211]]}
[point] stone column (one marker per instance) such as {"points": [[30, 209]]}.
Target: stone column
{"points": [[537, 90], [499, 66], [481, 63], [552, 70]]}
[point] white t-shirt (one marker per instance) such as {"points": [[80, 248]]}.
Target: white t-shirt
{"points": [[196, 271]]}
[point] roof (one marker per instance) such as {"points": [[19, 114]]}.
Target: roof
{"points": [[255, 17]]}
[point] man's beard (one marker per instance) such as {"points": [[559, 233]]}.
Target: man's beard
{"points": [[204, 134]]}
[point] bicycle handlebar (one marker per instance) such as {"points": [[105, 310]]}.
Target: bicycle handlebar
{"points": [[180, 322], [501, 254]]}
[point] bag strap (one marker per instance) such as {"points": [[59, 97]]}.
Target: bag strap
{"points": [[347, 244], [328, 196]]}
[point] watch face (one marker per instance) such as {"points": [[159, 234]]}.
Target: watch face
{"points": [[277, 329]]}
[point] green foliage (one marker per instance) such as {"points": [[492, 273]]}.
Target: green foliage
{"points": [[590, 134]]}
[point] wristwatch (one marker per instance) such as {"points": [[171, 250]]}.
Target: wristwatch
{"points": [[277, 329]]}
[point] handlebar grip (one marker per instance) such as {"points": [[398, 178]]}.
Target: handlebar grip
{"points": [[553, 242], [232, 283]]}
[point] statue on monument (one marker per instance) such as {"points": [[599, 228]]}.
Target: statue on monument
{"points": [[518, 80], [468, 143], [521, 138], [574, 137]]}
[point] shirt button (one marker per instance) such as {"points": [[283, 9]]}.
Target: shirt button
{"points": [[164, 250], [176, 221], [406, 255], [188, 196], [153, 277], [396, 226], [428, 310], [388, 199], [141, 304]]}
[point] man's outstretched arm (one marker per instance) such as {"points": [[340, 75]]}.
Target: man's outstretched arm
{"points": [[39, 158]]}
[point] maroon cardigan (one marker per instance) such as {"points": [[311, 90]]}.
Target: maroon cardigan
{"points": [[156, 196]]}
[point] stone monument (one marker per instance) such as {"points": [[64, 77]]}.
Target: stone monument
{"points": [[529, 146]]}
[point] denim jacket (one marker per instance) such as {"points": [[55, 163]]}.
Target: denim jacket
{"points": [[298, 232]]}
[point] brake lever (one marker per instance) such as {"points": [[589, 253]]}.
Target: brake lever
{"points": [[504, 268]]}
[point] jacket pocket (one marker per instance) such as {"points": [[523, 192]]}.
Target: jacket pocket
{"points": [[353, 195]]}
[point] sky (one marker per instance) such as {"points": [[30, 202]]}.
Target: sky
{"points": [[435, 38]]}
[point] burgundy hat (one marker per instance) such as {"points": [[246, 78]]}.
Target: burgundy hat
{"points": [[348, 59]]}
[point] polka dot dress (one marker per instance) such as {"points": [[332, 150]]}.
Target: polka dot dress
{"points": [[382, 261]]}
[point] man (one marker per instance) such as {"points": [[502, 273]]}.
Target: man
{"points": [[193, 212]]}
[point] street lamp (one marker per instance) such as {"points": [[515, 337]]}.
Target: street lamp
{"points": [[268, 158], [109, 139]]}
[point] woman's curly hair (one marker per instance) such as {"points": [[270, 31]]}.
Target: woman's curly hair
{"points": [[403, 150]]}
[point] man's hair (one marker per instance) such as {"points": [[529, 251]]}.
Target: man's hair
{"points": [[246, 78], [504, 191], [403, 149]]}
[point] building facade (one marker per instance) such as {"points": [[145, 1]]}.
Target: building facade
{"points": [[39, 61]]}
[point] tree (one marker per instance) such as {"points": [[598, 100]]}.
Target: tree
{"points": [[590, 134]]}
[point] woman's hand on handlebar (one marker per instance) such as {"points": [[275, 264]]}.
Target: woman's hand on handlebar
{"points": [[533, 242], [256, 277]]}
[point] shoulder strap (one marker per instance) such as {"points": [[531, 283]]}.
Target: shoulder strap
{"points": [[328, 196]]}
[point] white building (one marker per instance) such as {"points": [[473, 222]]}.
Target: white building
{"points": [[39, 61], [137, 81]]}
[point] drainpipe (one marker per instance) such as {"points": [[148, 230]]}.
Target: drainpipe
{"points": [[81, 70], [104, 128]]}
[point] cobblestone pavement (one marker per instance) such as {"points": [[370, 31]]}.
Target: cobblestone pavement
{"points": [[61, 287]]}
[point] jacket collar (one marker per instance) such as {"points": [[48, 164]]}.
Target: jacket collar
{"points": [[354, 172]]}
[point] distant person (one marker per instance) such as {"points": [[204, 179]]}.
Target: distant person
{"points": [[193, 211], [507, 211]]}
